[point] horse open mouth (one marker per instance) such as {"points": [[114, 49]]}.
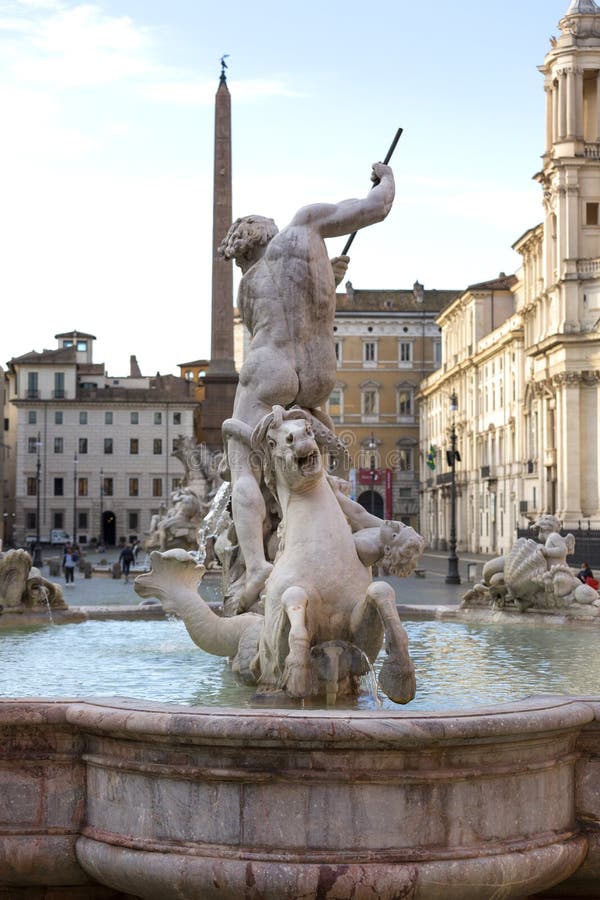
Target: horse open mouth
{"points": [[308, 465]]}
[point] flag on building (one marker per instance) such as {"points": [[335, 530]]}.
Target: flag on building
{"points": [[431, 457]]}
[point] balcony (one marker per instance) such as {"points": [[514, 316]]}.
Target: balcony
{"points": [[32, 394], [59, 394], [592, 150]]}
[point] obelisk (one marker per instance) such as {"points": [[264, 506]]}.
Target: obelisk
{"points": [[221, 378]]}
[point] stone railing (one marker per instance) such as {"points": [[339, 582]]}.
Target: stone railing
{"points": [[592, 150], [587, 268], [166, 801]]}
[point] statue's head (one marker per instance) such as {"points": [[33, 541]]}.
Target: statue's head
{"points": [[546, 525], [285, 441], [246, 237], [402, 547]]}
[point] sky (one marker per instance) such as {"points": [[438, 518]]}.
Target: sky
{"points": [[106, 150]]}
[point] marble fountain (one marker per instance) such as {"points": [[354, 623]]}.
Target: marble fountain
{"points": [[305, 793]]}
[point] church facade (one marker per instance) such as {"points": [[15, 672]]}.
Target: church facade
{"points": [[521, 354]]}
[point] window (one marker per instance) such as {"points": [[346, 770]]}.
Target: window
{"points": [[338, 352], [158, 418], [134, 445], [30, 521], [334, 405], [437, 353], [175, 483], [32, 417], [58, 519], [32, 486], [134, 418], [82, 346], [108, 418], [58, 487], [157, 446], [59, 445], [157, 487], [58, 417], [405, 402], [82, 520], [108, 445], [83, 418], [83, 445], [405, 352], [405, 459], [32, 386], [82, 487], [132, 519], [189, 376], [370, 403], [177, 418], [134, 487], [107, 487], [369, 352], [32, 445], [59, 385], [591, 214]]}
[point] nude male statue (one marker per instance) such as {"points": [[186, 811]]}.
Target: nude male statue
{"points": [[287, 301]]}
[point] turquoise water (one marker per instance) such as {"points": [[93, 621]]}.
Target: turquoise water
{"points": [[457, 665]]}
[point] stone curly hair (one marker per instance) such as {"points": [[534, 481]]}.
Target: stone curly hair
{"points": [[245, 233]]}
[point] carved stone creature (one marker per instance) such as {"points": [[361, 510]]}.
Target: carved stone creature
{"points": [[22, 585], [535, 575], [324, 619]]}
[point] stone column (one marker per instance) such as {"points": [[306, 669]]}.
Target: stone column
{"points": [[554, 112], [569, 450], [571, 103], [549, 115], [598, 107], [578, 87], [562, 105]]}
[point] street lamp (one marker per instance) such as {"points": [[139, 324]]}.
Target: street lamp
{"points": [[101, 531], [37, 550], [373, 469], [75, 497], [452, 457]]}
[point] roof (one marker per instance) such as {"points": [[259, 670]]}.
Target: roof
{"points": [[580, 7], [45, 357], [203, 363], [394, 301], [502, 283], [82, 334]]}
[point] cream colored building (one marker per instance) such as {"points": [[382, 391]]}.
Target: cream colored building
{"points": [[90, 453], [528, 384], [386, 342]]}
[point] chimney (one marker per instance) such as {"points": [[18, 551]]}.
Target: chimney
{"points": [[134, 369]]}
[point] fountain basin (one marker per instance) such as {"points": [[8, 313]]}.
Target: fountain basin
{"points": [[163, 801]]}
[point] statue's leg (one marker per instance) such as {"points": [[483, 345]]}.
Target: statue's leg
{"points": [[397, 676], [248, 509], [297, 679]]}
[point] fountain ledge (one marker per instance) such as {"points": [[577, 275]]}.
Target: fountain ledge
{"points": [[164, 801], [483, 616]]}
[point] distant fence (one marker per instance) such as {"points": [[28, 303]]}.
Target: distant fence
{"points": [[587, 544]]}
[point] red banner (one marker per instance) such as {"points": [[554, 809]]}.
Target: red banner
{"points": [[370, 476]]}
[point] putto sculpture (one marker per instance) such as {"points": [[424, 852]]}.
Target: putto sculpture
{"points": [[308, 620], [178, 525], [535, 575]]}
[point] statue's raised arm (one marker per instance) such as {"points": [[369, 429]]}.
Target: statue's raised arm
{"points": [[335, 219]]}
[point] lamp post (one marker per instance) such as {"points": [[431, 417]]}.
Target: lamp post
{"points": [[453, 456], [75, 498], [37, 550], [102, 507], [373, 470]]}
